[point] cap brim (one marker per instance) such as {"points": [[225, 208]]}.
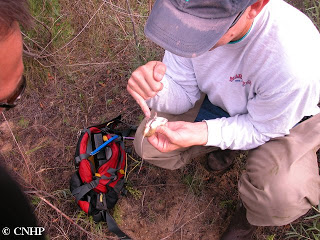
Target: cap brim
{"points": [[184, 34]]}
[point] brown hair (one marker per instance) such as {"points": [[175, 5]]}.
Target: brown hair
{"points": [[13, 11]]}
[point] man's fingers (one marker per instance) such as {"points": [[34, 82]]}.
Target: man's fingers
{"points": [[160, 143], [140, 100], [162, 140], [144, 84], [170, 135], [159, 71], [150, 84]]}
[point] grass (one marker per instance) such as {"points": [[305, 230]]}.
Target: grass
{"points": [[136, 193], [270, 237], [78, 56], [309, 228], [23, 122], [195, 182], [312, 8], [117, 214], [54, 27]]}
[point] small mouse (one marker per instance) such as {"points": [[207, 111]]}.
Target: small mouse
{"points": [[152, 125], [150, 129]]}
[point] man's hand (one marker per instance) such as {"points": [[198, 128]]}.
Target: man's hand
{"points": [[179, 134], [144, 83]]}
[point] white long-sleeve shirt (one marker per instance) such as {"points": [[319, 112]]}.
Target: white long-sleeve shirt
{"points": [[267, 82]]}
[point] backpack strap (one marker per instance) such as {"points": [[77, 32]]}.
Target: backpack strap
{"points": [[109, 126], [89, 144], [79, 192], [78, 159], [112, 225], [111, 122]]}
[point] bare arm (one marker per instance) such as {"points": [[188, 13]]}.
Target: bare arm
{"points": [[179, 134]]}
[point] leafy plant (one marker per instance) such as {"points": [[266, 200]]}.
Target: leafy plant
{"points": [[194, 182], [306, 229], [137, 194], [271, 237], [310, 7], [35, 200], [23, 122], [313, 11], [227, 204]]}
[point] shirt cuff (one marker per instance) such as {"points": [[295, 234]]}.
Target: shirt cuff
{"points": [[214, 132]]}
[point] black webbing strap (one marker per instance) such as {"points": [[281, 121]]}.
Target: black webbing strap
{"points": [[78, 159], [81, 157], [113, 227], [79, 192], [84, 189], [109, 126]]}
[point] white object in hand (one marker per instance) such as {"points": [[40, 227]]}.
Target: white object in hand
{"points": [[152, 125]]}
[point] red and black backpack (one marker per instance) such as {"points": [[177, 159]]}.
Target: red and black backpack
{"points": [[100, 160]]}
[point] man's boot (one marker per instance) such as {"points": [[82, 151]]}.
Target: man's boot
{"points": [[239, 227], [219, 161]]}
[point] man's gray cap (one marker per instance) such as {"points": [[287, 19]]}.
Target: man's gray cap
{"points": [[189, 28]]}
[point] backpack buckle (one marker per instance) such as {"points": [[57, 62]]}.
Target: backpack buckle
{"points": [[101, 203]]}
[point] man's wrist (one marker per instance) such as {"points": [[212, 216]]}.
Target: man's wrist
{"points": [[202, 133]]}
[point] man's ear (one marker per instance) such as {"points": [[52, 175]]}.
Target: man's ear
{"points": [[256, 8]]}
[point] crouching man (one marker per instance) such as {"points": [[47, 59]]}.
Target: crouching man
{"points": [[237, 75]]}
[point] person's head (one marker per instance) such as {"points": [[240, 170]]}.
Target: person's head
{"points": [[190, 28], [12, 13]]}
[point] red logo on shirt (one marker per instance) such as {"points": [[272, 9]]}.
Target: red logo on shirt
{"points": [[238, 78]]}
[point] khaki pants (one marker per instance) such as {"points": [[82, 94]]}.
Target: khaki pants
{"points": [[281, 181]]}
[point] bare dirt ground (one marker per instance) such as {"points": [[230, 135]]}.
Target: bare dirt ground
{"points": [[79, 56]]}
